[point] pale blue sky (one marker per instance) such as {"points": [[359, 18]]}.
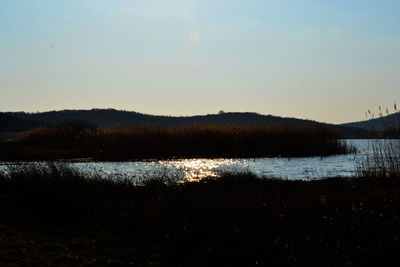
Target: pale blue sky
{"points": [[322, 60]]}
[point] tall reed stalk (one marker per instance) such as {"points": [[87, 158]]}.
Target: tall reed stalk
{"points": [[383, 158]]}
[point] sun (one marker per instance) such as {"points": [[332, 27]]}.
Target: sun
{"points": [[194, 37]]}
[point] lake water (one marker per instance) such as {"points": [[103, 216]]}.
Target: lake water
{"points": [[194, 169]]}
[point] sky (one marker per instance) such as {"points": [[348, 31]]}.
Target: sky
{"points": [[324, 60]]}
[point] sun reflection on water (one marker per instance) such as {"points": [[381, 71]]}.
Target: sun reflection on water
{"points": [[197, 169], [182, 170]]}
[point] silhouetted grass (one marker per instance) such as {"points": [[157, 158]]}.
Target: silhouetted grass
{"points": [[117, 143], [384, 162], [52, 215]]}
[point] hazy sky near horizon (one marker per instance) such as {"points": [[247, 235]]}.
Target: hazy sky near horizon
{"points": [[315, 59]]}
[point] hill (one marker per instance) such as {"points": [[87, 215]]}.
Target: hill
{"points": [[9, 123], [109, 117], [20, 121], [386, 123]]}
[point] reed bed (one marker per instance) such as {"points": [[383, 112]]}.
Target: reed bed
{"points": [[121, 143], [384, 161]]}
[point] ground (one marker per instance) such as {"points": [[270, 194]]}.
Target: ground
{"points": [[237, 220]]}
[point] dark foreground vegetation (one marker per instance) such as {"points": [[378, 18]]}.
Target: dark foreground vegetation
{"points": [[78, 140], [53, 215]]}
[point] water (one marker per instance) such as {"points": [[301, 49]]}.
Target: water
{"points": [[195, 169]]}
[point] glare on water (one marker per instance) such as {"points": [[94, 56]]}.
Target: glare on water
{"points": [[197, 169]]}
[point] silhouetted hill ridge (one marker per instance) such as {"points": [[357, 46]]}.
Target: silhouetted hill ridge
{"points": [[20, 121], [377, 124], [109, 117], [9, 123]]}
